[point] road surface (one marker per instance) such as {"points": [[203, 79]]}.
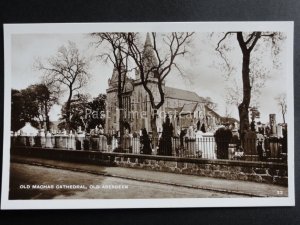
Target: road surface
{"points": [[38, 182], [36, 178]]}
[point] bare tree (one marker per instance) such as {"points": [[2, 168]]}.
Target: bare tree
{"points": [[234, 93], [155, 64], [248, 43], [117, 55], [67, 70], [210, 104], [282, 103], [227, 112], [45, 99]]}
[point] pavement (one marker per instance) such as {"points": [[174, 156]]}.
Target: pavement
{"points": [[39, 182], [234, 187]]}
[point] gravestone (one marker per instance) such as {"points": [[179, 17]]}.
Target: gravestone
{"points": [[273, 124], [114, 143], [43, 138], [279, 131], [102, 145], [48, 143], [249, 144], [274, 148], [71, 141], [136, 146], [79, 137], [127, 141]]}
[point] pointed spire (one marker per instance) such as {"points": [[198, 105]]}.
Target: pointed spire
{"points": [[115, 74], [149, 54], [119, 56], [148, 41]]}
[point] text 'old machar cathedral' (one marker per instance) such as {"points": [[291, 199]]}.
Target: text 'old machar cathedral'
{"points": [[185, 108]]}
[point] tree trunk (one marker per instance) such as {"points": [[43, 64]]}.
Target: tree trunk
{"points": [[244, 106], [47, 117], [154, 129], [68, 110], [121, 118]]}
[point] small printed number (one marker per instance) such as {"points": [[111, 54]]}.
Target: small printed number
{"points": [[279, 192]]}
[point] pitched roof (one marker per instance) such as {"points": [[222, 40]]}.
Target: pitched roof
{"points": [[189, 108], [213, 112], [229, 120], [172, 111], [177, 93]]}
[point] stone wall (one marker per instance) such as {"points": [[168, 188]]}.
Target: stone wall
{"points": [[257, 173], [263, 172]]}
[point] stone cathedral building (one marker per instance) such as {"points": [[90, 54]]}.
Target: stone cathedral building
{"points": [[185, 108]]}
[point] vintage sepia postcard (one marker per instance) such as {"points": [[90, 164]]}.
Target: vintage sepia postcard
{"points": [[148, 115]]}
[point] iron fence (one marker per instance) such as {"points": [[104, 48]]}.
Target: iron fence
{"points": [[269, 149]]}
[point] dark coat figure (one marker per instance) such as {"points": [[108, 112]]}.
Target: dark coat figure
{"points": [[261, 130], [252, 126], [268, 131], [127, 126], [181, 137], [86, 144], [165, 143], [223, 137], [284, 140], [109, 139], [260, 151], [198, 125], [37, 141], [203, 128], [260, 147], [135, 134], [235, 139], [145, 142]]}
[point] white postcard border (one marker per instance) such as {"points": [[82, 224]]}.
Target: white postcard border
{"points": [[10, 29]]}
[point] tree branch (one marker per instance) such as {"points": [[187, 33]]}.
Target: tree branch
{"points": [[220, 52]]}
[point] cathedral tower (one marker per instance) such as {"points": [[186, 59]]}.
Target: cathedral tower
{"points": [[148, 58], [113, 81]]}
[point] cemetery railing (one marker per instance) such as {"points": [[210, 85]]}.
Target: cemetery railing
{"points": [[270, 149]]}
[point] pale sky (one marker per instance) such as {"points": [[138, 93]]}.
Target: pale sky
{"points": [[200, 68]]}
